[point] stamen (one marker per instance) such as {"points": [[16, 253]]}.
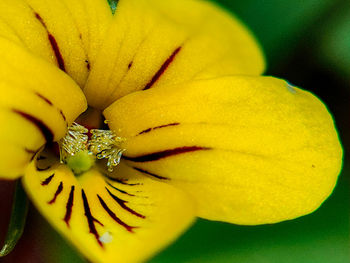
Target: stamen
{"points": [[74, 142], [103, 144]]}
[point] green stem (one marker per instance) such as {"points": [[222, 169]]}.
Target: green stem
{"points": [[17, 220]]}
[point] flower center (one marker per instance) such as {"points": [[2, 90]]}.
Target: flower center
{"points": [[81, 147]]}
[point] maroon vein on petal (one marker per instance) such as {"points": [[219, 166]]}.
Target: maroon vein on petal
{"points": [[119, 190], [44, 98], [122, 204], [114, 217], [57, 52], [69, 206], [57, 193], [159, 127], [46, 132], [53, 43], [164, 154], [121, 181], [162, 69], [91, 220], [47, 180], [151, 174]]}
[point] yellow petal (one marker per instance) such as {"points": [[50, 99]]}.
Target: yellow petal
{"points": [[152, 42], [9, 33], [37, 103], [50, 30], [63, 37], [250, 150], [27, 27], [110, 220], [92, 18], [13, 160]]}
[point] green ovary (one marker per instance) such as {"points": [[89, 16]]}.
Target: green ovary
{"points": [[81, 162]]}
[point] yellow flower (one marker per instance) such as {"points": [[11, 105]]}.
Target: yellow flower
{"points": [[178, 81]]}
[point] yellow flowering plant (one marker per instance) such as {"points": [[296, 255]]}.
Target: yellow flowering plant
{"points": [[127, 125]]}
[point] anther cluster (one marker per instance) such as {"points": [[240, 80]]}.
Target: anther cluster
{"points": [[103, 144]]}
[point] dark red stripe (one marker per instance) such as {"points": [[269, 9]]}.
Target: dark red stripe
{"points": [[53, 43], [47, 180], [151, 174], [51, 104], [43, 169], [162, 69], [57, 52], [114, 217], [166, 125], [164, 154], [121, 181], [44, 98], [63, 116], [123, 205], [40, 19], [46, 132], [69, 206], [91, 220], [159, 127], [119, 190], [145, 131], [87, 64], [58, 191], [30, 151]]}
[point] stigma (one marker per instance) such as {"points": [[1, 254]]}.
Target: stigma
{"points": [[80, 148]]}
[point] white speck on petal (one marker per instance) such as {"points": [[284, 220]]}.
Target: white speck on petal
{"points": [[291, 88], [106, 238]]}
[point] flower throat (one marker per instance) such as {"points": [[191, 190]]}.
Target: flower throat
{"points": [[81, 147]]}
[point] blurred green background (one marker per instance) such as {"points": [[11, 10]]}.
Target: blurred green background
{"points": [[306, 42]]}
